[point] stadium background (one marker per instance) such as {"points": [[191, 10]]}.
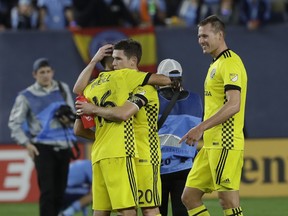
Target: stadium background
{"points": [[264, 53]]}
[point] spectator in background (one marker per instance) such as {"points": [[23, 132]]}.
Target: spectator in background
{"points": [[188, 12], [5, 8], [56, 14], [172, 8], [78, 192], [222, 8], [255, 13], [149, 12], [208, 7], [177, 159], [279, 11], [24, 15], [103, 13], [39, 123]]}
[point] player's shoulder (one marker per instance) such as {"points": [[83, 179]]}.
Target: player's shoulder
{"points": [[229, 54], [125, 70], [229, 58]]}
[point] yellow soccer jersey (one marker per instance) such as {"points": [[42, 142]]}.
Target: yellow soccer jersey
{"points": [[225, 73], [145, 125], [110, 89]]}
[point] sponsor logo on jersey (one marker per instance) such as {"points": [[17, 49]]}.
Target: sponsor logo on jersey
{"points": [[233, 77]]}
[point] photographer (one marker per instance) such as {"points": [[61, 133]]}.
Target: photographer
{"points": [[41, 121]]}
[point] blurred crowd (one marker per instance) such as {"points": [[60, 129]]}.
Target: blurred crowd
{"points": [[60, 14]]}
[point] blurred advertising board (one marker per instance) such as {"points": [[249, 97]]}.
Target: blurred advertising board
{"points": [[18, 179]]}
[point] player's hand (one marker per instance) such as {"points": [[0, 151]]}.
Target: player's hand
{"points": [[192, 136], [103, 51], [84, 108]]}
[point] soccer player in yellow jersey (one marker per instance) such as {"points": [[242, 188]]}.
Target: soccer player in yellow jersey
{"points": [[218, 165], [115, 139], [145, 125]]}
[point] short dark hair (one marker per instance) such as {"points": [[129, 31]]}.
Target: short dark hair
{"points": [[215, 21], [40, 62], [106, 61], [130, 48]]}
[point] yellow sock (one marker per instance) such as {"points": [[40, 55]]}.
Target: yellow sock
{"points": [[199, 211], [158, 215], [233, 212]]}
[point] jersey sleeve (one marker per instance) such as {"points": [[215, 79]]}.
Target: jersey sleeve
{"points": [[146, 93], [139, 97], [232, 75]]}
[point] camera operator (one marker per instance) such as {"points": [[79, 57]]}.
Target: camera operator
{"points": [[41, 120]]}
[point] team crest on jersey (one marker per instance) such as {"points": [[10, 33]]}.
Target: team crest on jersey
{"points": [[233, 77], [213, 72]]}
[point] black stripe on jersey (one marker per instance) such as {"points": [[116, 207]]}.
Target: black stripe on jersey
{"points": [[156, 195], [142, 97], [226, 54], [232, 87], [220, 165], [223, 53], [132, 180], [146, 79]]}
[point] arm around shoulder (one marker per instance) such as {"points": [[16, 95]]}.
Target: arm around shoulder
{"points": [[121, 113], [159, 79]]}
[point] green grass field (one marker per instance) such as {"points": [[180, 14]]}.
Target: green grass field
{"points": [[251, 207]]}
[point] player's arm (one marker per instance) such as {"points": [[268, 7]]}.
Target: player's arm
{"points": [[159, 79], [77, 205], [85, 75], [120, 113], [80, 131], [230, 108], [86, 200], [162, 80]]}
